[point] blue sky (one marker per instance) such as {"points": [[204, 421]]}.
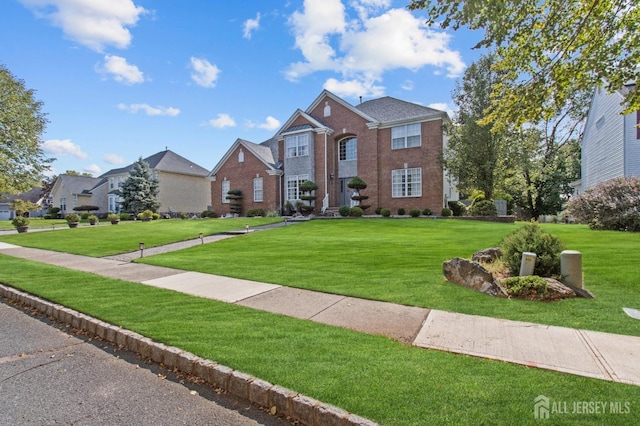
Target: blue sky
{"points": [[123, 79]]}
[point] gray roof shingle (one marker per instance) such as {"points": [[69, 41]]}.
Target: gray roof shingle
{"points": [[388, 109], [166, 161]]}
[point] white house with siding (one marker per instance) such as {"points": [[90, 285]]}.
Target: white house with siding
{"points": [[611, 140]]}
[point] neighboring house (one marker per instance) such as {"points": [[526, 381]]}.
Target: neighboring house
{"points": [[611, 140], [392, 145], [34, 196], [71, 191], [183, 185]]}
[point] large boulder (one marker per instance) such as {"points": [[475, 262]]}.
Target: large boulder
{"points": [[488, 255], [472, 275]]}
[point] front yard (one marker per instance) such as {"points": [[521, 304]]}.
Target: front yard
{"points": [[393, 260]]}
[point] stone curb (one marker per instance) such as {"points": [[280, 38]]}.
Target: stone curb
{"points": [[275, 398]]}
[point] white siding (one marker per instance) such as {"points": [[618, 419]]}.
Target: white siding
{"points": [[603, 140], [632, 145]]}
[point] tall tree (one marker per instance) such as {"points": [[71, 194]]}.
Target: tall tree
{"points": [[75, 173], [549, 50], [475, 155], [546, 159], [139, 191], [22, 122]]}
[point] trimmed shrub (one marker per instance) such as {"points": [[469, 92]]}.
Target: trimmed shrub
{"points": [[483, 208], [532, 238], [427, 212], [379, 210], [155, 216], [531, 286], [85, 215], [401, 211], [356, 211], [255, 212], [46, 216], [612, 205], [344, 211], [446, 212], [414, 212], [125, 216], [72, 218], [385, 212], [458, 208]]}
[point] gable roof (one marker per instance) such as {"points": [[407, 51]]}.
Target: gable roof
{"points": [[313, 123], [165, 161], [78, 184], [391, 110], [262, 152], [34, 195]]}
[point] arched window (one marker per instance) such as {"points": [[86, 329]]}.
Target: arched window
{"points": [[348, 149]]}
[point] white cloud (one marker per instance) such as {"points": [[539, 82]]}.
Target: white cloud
{"points": [[251, 25], [93, 169], [354, 88], [120, 70], [442, 106], [204, 73], [270, 124], [159, 110], [361, 50], [92, 23], [114, 159], [63, 147], [407, 85], [222, 121]]}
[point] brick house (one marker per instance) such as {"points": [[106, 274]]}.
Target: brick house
{"points": [[392, 145]]}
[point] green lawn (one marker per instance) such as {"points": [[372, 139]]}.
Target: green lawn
{"points": [[372, 376], [400, 261], [107, 239], [34, 223]]}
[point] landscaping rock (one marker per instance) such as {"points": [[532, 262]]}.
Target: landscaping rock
{"points": [[472, 275], [557, 290], [488, 255]]}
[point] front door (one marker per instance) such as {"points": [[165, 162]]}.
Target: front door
{"points": [[345, 192]]}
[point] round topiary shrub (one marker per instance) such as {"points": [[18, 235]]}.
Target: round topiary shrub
{"points": [[356, 211], [385, 212], [427, 212], [344, 211], [414, 212], [401, 211], [531, 238], [445, 212], [483, 208], [378, 210], [458, 208]]}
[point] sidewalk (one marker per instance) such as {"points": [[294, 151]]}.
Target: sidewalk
{"points": [[594, 354]]}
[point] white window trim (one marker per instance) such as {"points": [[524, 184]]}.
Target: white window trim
{"points": [[297, 179], [355, 151], [258, 190], [297, 145], [405, 136], [404, 174], [225, 187]]}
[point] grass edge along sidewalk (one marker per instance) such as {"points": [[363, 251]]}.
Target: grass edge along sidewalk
{"points": [[372, 376]]}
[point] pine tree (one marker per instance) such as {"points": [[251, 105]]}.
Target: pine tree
{"points": [[140, 191]]}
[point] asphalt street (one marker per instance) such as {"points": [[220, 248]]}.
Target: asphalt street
{"points": [[49, 375]]}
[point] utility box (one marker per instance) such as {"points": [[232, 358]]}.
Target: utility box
{"points": [[571, 268], [527, 264]]}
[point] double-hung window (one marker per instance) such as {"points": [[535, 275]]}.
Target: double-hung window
{"points": [[348, 149], [406, 183], [293, 186], [297, 146], [405, 136], [226, 187], [257, 189]]}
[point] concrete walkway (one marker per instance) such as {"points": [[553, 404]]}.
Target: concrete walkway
{"points": [[581, 352]]}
